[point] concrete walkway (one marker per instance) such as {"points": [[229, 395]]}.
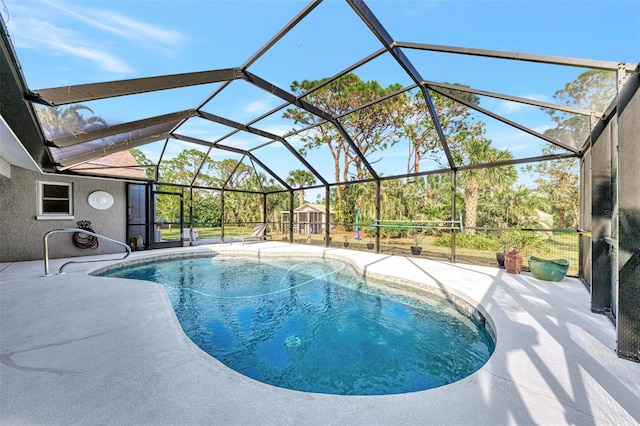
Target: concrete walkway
{"points": [[79, 349]]}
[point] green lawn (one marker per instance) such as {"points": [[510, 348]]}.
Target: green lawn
{"points": [[559, 246]]}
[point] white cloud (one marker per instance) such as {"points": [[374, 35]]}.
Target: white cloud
{"points": [[278, 129], [137, 32], [35, 34], [256, 107], [506, 107], [54, 28]]}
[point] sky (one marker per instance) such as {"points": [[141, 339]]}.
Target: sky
{"points": [[61, 43]]}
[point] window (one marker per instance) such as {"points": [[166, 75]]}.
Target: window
{"points": [[56, 200]]}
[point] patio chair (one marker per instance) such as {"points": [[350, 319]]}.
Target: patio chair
{"points": [[257, 234], [194, 234]]}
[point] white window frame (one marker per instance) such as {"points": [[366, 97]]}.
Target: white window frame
{"points": [[42, 215]]}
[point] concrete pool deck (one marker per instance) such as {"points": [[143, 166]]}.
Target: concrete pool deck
{"points": [[79, 349]]}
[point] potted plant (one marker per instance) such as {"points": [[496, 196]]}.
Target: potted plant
{"points": [[517, 241], [346, 241], [371, 232], [418, 237], [503, 240]]}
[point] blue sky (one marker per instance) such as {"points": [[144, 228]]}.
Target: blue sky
{"points": [[73, 42]]}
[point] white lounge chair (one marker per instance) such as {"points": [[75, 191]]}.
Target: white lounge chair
{"points": [[257, 234], [194, 234]]}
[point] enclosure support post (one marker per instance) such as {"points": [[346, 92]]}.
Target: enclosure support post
{"points": [[453, 213], [628, 223], [378, 190], [603, 139], [264, 210], [327, 215], [190, 215], [290, 231], [222, 216]]}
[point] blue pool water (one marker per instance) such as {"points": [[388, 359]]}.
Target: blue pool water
{"points": [[314, 325]]}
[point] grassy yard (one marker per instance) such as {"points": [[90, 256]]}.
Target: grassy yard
{"points": [[558, 246]]}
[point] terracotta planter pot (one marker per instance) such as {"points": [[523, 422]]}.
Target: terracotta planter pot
{"points": [[513, 262]]}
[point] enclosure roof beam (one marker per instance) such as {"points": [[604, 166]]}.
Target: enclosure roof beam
{"points": [[368, 104], [344, 72], [200, 166], [447, 170], [481, 166], [75, 160], [309, 108], [161, 158], [235, 169], [310, 91], [230, 149], [518, 161], [506, 121], [201, 142], [20, 116], [381, 33], [527, 101], [88, 92], [271, 172], [517, 56], [284, 95], [239, 126], [288, 27], [104, 132], [355, 148], [267, 169], [300, 158], [313, 89], [378, 100]]}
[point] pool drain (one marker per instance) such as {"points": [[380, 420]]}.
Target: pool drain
{"points": [[292, 342]]}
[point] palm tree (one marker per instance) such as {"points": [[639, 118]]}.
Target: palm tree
{"points": [[437, 197], [475, 151], [515, 208], [301, 178], [58, 121]]}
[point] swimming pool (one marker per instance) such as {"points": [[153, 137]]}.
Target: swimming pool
{"points": [[315, 325]]}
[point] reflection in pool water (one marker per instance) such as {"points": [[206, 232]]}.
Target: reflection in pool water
{"points": [[314, 325]]}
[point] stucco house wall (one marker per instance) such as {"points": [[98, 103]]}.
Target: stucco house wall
{"points": [[21, 233]]}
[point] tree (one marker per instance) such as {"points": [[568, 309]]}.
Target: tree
{"points": [[437, 197], [558, 180], [477, 151], [417, 126], [559, 184], [206, 211], [62, 121], [594, 90], [142, 160], [301, 178], [514, 207], [371, 129], [230, 172], [182, 168]]}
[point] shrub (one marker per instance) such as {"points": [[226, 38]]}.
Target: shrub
{"points": [[394, 231], [469, 241]]}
